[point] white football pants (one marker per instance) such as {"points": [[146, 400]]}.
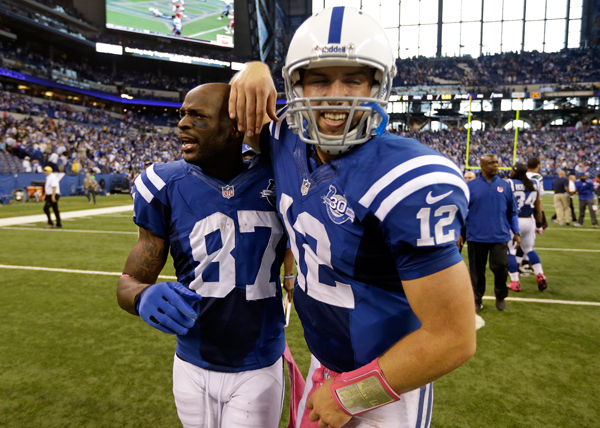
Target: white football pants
{"points": [[412, 411], [527, 226], [210, 399]]}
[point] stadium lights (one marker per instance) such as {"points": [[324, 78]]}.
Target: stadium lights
{"points": [[127, 97]]}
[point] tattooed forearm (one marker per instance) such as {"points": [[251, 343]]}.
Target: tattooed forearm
{"points": [[142, 268], [147, 258]]}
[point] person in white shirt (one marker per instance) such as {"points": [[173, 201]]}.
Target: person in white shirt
{"points": [[35, 166], [53, 161], [52, 191], [27, 164]]}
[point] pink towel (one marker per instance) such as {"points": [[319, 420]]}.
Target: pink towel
{"points": [[319, 377], [297, 384]]}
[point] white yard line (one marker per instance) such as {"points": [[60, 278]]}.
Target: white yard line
{"points": [[70, 230], [85, 272], [12, 221], [571, 229], [576, 250], [95, 272], [558, 302]]}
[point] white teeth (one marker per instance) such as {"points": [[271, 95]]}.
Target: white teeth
{"points": [[335, 116]]}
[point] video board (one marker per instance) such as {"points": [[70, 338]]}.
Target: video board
{"points": [[202, 21]]}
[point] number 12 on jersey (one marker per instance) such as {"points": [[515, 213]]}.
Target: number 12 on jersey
{"points": [[424, 215]]}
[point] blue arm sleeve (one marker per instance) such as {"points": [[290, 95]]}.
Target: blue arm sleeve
{"points": [[512, 213], [514, 223]]}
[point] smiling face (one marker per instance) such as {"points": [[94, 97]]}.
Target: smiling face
{"points": [[336, 82], [209, 138]]}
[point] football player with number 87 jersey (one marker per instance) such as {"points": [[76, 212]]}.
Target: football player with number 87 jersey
{"points": [[383, 295], [217, 216]]}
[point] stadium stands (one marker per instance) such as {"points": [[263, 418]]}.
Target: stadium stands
{"points": [[568, 67], [112, 138]]}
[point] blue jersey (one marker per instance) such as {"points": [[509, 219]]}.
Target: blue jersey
{"points": [[227, 244], [525, 198], [388, 210]]}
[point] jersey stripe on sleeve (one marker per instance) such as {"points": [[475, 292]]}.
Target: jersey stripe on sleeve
{"points": [[154, 178], [142, 189], [417, 184], [402, 169]]}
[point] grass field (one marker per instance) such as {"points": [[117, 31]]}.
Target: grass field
{"points": [[200, 20], [70, 357]]}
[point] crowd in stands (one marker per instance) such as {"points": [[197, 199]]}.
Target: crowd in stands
{"points": [[73, 141], [567, 67], [40, 18], [572, 150], [572, 68], [65, 8], [17, 103]]}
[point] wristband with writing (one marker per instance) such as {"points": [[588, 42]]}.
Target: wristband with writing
{"points": [[288, 277], [362, 390]]}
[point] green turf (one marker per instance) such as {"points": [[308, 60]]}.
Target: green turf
{"points": [[65, 203], [70, 357]]}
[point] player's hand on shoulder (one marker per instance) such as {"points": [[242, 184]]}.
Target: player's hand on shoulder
{"points": [[324, 409], [164, 307], [252, 95]]}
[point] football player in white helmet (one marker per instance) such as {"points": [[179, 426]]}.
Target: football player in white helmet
{"points": [[382, 292]]}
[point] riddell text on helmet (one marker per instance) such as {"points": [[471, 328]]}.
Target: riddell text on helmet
{"points": [[334, 49]]}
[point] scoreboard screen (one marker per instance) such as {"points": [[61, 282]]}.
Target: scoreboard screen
{"points": [[202, 21]]}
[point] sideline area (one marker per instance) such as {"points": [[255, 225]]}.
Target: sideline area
{"points": [[13, 221]]}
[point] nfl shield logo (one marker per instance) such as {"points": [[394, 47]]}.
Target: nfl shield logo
{"points": [[227, 191], [500, 189], [305, 187]]}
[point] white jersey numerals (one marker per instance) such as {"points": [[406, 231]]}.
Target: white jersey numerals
{"points": [[524, 199], [424, 215], [257, 288], [306, 225]]}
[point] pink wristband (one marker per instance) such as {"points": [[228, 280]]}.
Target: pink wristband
{"points": [[362, 390], [126, 275]]}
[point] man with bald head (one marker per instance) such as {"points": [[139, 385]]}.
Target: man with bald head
{"points": [[216, 214], [492, 215]]}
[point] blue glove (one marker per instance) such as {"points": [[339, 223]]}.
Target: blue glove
{"points": [[163, 307]]}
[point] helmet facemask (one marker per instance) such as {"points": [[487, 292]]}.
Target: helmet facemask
{"points": [[374, 53]]}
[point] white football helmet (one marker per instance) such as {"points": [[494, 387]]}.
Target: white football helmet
{"points": [[339, 37]]}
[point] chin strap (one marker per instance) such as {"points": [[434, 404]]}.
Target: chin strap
{"points": [[384, 117]]}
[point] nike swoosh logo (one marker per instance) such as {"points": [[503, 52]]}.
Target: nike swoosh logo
{"points": [[432, 200]]}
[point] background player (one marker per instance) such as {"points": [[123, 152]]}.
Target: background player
{"points": [[529, 205], [177, 25], [227, 243], [227, 9], [175, 17], [229, 29], [383, 293]]}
